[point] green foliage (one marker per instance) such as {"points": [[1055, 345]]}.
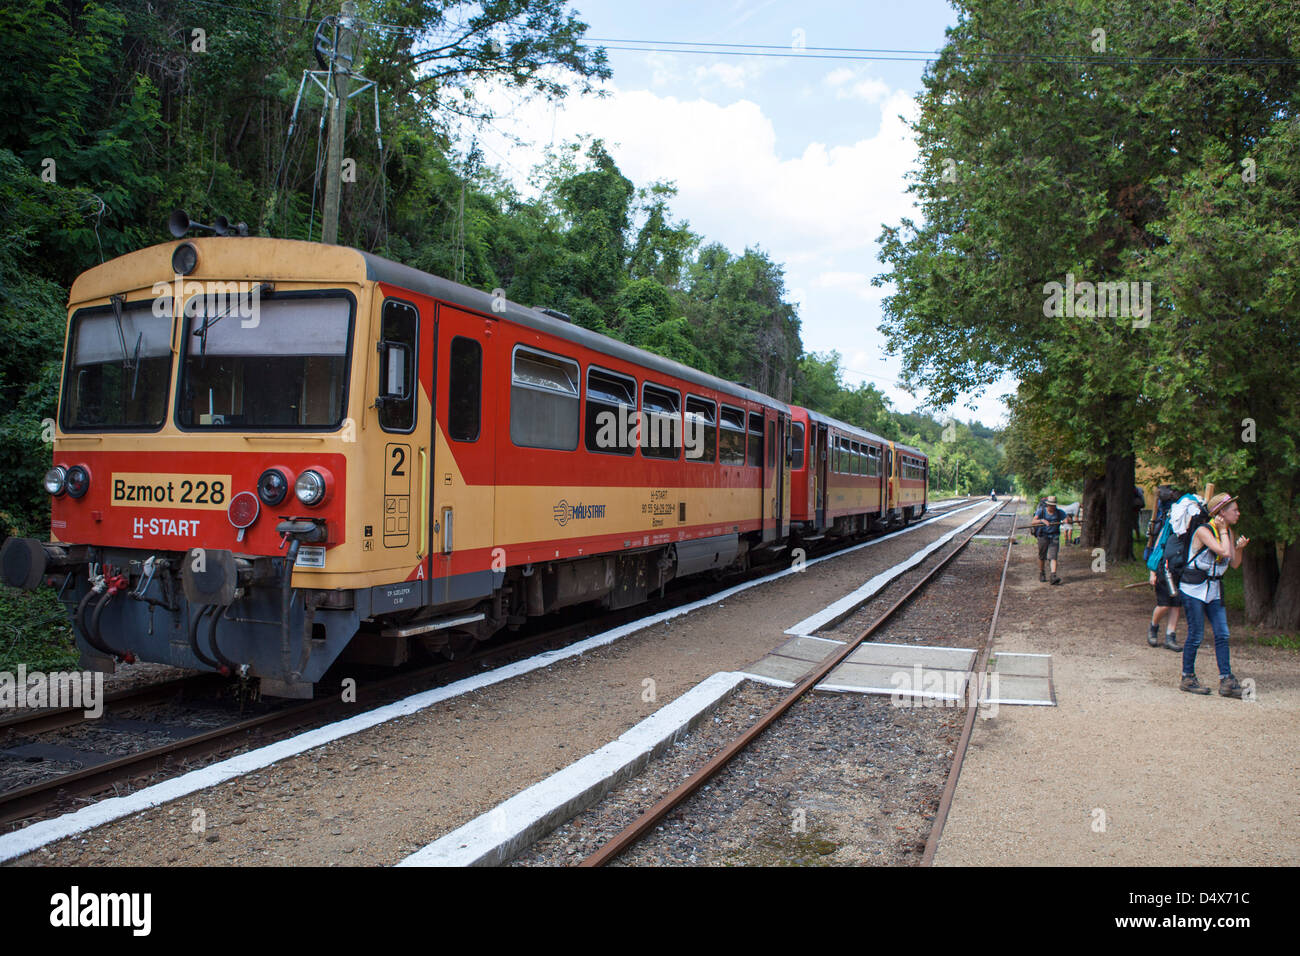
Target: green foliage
{"points": [[34, 631], [1037, 167]]}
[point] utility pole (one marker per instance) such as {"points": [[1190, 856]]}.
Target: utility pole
{"points": [[341, 73]]}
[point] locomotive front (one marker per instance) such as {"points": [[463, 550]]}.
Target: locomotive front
{"points": [[201, 459]]}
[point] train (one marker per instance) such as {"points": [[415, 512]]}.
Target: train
{"points": [[271, 456]]}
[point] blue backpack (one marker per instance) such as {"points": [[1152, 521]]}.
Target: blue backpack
{"points": [[1157, 553]]}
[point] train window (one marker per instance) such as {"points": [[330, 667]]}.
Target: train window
{"points": [[287, 370], [119, 380], [731, 441], [755, 439], [661, 433], [701, 436], [399, 332], [544, 401], [611, 422], [771, 444], [464, 389], [873, 461], [796, 446], [862, 459]]}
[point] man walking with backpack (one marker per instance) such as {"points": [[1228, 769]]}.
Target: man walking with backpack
{"points": [[1047, 525], [1207, 552]]}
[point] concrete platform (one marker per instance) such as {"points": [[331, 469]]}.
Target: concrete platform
{"points": [[1024, 679]]}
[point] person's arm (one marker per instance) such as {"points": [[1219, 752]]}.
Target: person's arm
{"points": [[1238, 546], [1206, 539]]}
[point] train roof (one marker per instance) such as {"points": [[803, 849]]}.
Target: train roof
{"points": [[385, 270], [228, 258], [860, 432]]}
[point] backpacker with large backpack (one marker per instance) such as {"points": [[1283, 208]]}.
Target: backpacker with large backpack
{"points": [[1171, 555]]}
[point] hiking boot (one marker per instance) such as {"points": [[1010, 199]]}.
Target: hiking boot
{"points": [[1230, 687], [1042, 576], [1193, 686], [1055, 579], [1171, 641], [1152, 639]]}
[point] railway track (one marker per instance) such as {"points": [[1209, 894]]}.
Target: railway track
{"points": [[635, 831], [50, 796]]}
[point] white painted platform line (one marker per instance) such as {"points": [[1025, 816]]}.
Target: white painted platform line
{"points": [[847, 604], [39, 834], [770, 681], [496, 836]]}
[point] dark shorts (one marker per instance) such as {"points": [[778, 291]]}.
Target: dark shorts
{"points": [[1047, 548], [1163, 597]]}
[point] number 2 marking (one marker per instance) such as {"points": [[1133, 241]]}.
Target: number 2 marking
{"points": [[399, 453]]}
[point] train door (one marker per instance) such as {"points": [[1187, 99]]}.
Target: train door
{"points": [[822, 455], [783, 475], [404, 426], [462, 492], [771, 475], [887, 486]]}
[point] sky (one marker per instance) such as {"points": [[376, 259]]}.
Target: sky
{"points": [[803, 157]]}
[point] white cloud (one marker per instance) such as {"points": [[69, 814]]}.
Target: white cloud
{"points": [[664, 68], [816, 209], [731, 75], [849, 85]]}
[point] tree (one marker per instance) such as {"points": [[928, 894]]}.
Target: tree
{"points": [[1226, 345], [1038, 169]]}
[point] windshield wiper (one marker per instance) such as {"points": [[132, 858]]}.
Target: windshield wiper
{"points": [[121, 336], [202, 331], [135, 363]]}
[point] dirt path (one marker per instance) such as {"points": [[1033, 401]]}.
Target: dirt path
{"points": [[1127, 769]]}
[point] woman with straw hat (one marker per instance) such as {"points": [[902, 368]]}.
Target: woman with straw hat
{"points": [[1212, 551]]}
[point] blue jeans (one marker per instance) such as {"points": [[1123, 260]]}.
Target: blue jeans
{"points": [[1196, 613]]}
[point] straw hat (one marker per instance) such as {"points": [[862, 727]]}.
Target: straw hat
{"points": [[1051, 499], [1220, 501]]}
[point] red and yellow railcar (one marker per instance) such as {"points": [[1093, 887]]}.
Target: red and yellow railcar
{"points": [[271, 453], [845, 480]]}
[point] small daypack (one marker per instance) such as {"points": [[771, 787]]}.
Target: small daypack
{"points": [[1177, 547]]}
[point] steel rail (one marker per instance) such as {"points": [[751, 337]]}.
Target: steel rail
{"points": [[950, 787], [639, 827], [37, 721], [20, 803]]}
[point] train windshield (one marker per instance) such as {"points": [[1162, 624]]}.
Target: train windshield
{"points": [[272, 362], [119, 367]]}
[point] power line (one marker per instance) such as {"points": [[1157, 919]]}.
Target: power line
{"points": [[876, 54], [904, 56]]}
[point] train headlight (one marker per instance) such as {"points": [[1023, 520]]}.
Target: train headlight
{"points": [[310, 488], [273, 486], [56, 480], [78, 481], [184, 259]]}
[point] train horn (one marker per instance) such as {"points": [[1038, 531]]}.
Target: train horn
{"points": [[180, 223]]}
